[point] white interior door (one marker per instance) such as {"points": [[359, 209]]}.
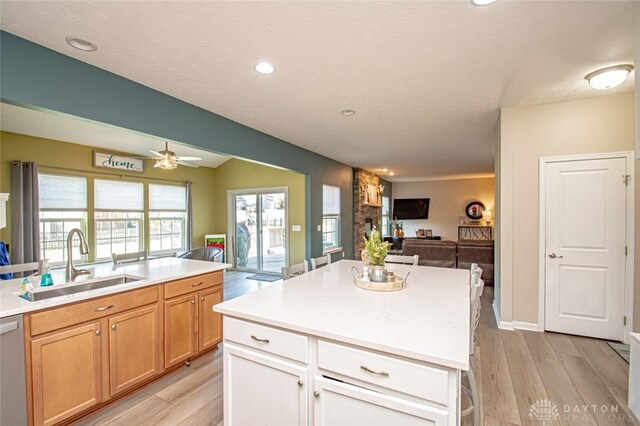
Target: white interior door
{"points": [[585, 237]]}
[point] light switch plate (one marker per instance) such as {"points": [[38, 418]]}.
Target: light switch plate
{"points": [[296, 228], [319, 228]]}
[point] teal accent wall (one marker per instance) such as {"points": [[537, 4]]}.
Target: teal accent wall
{"points": [[36, 77]]}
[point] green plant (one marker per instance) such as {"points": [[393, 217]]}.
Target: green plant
{"points": [[376, 248], [397, 224]]}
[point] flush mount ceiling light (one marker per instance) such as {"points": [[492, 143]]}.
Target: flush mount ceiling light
{"points": [[348, 112], [609, 77], [482, 2], [81, 44], [265, 68]]}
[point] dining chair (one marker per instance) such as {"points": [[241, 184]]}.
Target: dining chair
{"points": [[121, 258], [402, 260], [294, 270], [476, 288], [36, 268], [320, 261]]}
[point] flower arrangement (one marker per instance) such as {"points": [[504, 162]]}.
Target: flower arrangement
{"points": [[375, 250]]}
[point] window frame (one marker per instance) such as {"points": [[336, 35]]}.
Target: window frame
{"points": [[332, 216], [386, 232]]}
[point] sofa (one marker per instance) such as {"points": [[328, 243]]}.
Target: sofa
{"points": [[438, 253], [451, 254]]}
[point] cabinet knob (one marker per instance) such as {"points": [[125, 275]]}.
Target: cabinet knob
{"points": [[193, 302], [316, 394], [202, 298], [300, 383], [97, 332], [113, 327]]}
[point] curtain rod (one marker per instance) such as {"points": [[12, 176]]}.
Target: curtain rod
{"points": [[108, 174]]}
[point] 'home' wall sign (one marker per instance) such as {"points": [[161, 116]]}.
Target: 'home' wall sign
{"points": [[111, 161]]}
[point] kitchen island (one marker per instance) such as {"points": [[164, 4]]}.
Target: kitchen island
{"points": [[317, 350], [80, 346]]}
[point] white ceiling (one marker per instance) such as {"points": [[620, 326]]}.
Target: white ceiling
{"points": [[427, 78], [71, 129]]}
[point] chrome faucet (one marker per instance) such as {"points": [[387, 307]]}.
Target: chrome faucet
{"points": [[70, 271]]}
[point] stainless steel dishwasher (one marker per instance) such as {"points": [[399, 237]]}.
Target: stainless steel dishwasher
{"points": [[13, 392]]}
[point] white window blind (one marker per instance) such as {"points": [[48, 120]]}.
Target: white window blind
{"points": [[118, 195], [330, 200], [167, 197], [59, 192]]}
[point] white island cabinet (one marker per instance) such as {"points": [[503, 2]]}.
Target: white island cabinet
{"points": [[316, 350]]}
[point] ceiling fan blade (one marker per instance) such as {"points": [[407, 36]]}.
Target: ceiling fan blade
{"points": [[189, 158], [156, 153], [187, 163]]}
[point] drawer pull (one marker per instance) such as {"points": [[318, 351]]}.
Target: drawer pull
{"points": [[378, 373], [197, 284], [259, 339], [104, 308]]}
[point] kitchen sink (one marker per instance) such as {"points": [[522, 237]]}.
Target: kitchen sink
{"points": [[72, 288]]}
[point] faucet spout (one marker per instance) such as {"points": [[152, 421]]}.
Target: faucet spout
{"points": [[70, 271]]}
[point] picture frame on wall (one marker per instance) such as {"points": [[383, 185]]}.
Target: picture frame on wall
{"points": [[372, 195]]}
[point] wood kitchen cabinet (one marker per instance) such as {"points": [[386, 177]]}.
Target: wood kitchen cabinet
{"points": [[134, 346], [179, 329], [83, 355], [209, 322], [190, 325], [66, 367]]}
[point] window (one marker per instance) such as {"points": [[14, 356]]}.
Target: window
{"points": [[119, 216], [63, 206], [330, 217], [167, 218], [385, 217]]}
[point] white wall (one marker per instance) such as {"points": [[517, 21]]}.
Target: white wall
{"points": [[594, 125], [448, 201]]}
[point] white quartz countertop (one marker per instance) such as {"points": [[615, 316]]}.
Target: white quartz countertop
{"points": [[151, 272], [427, 321]]}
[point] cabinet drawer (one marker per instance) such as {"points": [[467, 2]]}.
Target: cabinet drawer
{"points": [[191, 284], [267, 339], [64, 316], [423, 381]]}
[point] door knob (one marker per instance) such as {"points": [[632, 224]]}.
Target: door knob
{"points": [[554, 256]]}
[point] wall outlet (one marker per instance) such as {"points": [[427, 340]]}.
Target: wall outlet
{"points": [[296, 228]]}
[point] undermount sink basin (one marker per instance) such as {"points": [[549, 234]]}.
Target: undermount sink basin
{"points": [[66, 289]]}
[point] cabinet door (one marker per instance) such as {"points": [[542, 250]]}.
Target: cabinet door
{"points": [[133, 347], [209, 322], [179, 329], [262, 390], [337, 403], [66, 372]]}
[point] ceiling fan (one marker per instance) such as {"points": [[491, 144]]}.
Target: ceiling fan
{"points": [[166, 159]]}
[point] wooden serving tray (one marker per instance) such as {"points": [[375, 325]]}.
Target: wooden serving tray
{"points": [[397, 283]]}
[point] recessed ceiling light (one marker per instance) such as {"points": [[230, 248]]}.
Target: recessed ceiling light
{"points": [[609, 77], [265, 68], [348, 112], [81, 44], [391, 173], [385, 170], [482, 2]]}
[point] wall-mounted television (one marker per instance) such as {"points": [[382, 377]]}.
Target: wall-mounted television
{"points": [[411, 208]]}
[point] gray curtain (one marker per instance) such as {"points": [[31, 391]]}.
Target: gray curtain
{"points": [[189, 217], [25, 213]]}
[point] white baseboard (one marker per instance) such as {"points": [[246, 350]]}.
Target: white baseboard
{"points": [[502, 325], [527, 326]]}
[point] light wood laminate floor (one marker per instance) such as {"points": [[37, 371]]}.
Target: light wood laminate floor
{"points": [[514, 370]]}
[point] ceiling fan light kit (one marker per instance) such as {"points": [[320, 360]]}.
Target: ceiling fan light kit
{"points": [[168, 160]]}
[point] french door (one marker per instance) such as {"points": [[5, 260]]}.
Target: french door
{"points": [[258, 229]]}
